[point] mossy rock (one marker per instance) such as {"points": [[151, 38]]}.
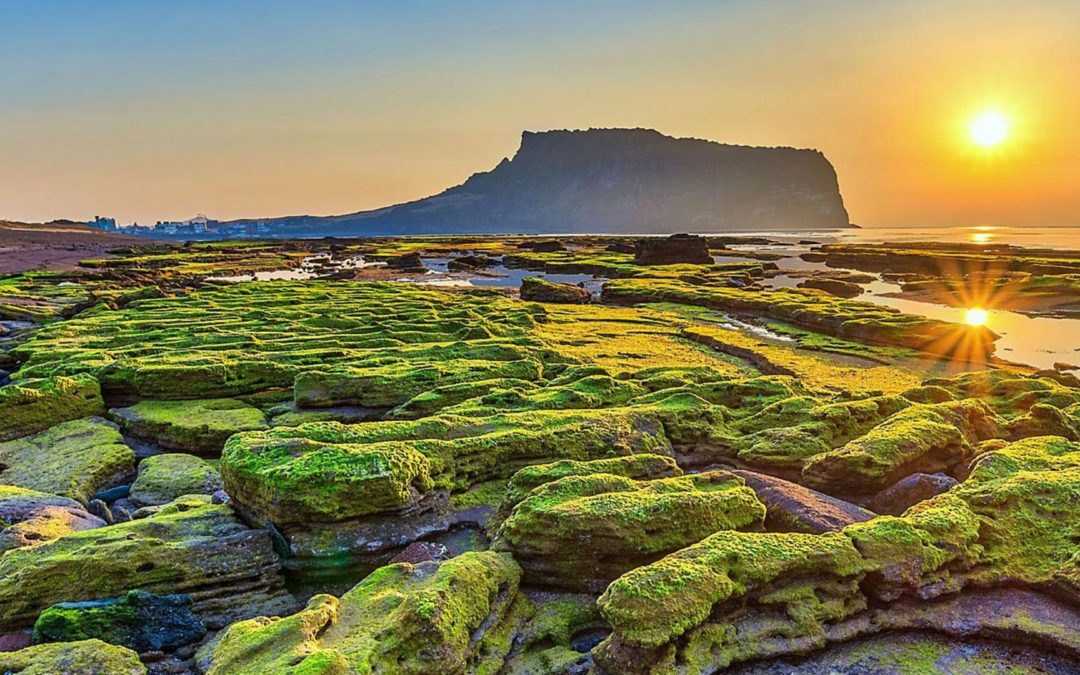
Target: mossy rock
{"points": [[1010, 524], [391, 385], [73, 459], [920, 439], [199, 427], [163, 478], [541, 290], [297, 480], [1008, 393], [581, 532], [138, 620], [640, 467], [27, 407], [260, 336], [852, 319], [431, 402], [85, 657], [189, 546], [402, 618]]}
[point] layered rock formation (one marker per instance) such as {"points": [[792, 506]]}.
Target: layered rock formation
{"points": [[615, 180]]}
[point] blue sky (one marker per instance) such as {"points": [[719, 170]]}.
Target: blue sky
{"points": [[149, 110]]}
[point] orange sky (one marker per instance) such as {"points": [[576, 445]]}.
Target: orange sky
{"points": [[147, 113]]}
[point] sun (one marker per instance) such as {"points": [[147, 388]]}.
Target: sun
{"points": [[989, 129], [976, 317]]}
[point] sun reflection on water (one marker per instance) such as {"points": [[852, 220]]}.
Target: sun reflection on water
{"points": [[976, 316]]}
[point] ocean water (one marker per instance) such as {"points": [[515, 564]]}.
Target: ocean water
{"points": [[1030, 237]]}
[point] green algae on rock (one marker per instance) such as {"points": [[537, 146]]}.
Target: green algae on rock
{"points": [[336, 489], [246, 338], [189, 546], [581, 532], [199, 427], [85, 657], [27, 407], [73, 459], [643, 466], [137, 620], [921, 438], [833, 316], [163, 478], [29, 517], [743, 595], [402, 618], [542, 290]]}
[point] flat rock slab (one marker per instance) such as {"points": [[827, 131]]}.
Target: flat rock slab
{"points": [[200, 427], [163, 478], [790, 507], [74, 459]]}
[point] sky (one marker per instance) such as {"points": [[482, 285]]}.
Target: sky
{"points": [[160, 110]]}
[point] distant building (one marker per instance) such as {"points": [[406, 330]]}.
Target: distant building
{"points": [[107, 224]]}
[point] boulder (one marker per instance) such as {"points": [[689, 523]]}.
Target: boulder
{"points": [[434, 617], [189, 546], [163, 478], [408, 262], [674, 250], [138, 620], [540, 290], [581, 532], [200, 427], [28, 517], [909, 491], [73, 459], [470, 263], [837, 287], [30, 406], [546, 246], [85, 657], [791, 507]]}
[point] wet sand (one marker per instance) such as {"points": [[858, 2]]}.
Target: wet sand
{"points": [[54, 246]]}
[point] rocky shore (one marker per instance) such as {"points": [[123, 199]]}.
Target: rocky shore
{"points": [[687, 472]]}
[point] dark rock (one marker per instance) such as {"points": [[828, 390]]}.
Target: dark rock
{"points": [[791, 507], [141, 621], [112, 494], [673, 250], [101, 510], [410, 262], [219, 497], [918, 487], [548, 246], [814, 257], [736, 283], [152, 656], [13, 642], [540, 290], [620, 247], [422, 551], [471, 262]]}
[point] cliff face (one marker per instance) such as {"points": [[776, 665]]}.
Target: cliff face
{"points": [[620, 181]]}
